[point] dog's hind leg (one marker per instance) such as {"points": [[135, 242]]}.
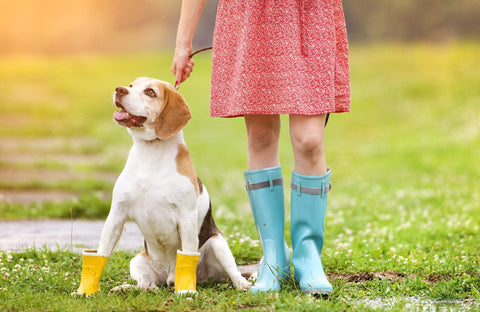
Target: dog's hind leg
{"points": [[141, 270], [219, 262]]}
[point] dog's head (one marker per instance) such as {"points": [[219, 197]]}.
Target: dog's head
{"points": [[151, 109]]}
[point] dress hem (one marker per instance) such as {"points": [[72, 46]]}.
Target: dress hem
{"points": [[235, 115]]}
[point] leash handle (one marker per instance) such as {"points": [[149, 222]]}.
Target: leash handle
{"points": [[177, 84]]}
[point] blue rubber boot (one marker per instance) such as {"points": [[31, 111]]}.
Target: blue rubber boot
{"points": [[265, 191], [309, 205]]}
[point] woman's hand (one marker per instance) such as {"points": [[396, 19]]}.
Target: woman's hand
{"points": [[182, 65]]}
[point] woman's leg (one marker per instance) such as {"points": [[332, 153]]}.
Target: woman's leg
{"points": [[310, 186], [264, 185], [263, 132], [306, 135]]}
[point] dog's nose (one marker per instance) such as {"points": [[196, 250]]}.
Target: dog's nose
{"points": [[121, 91]]}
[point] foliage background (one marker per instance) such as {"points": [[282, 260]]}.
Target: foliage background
{"points": [[60, 26]]}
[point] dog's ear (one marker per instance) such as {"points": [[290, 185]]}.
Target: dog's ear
{"points": [[174, 116]]}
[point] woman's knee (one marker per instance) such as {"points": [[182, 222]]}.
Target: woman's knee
{"points": [[307, 135], [262, 131], [308, 145]]}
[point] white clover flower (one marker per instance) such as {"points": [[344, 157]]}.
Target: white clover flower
{"points": [[255, 243]]}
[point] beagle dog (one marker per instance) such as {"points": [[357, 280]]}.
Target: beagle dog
{"points": [[160, 191]]}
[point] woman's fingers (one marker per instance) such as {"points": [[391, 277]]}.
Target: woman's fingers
{"points": [[182, 67]]}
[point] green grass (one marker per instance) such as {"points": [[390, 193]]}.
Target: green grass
{"points": [[404, 165]]}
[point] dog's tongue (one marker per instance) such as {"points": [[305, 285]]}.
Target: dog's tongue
{"points": [[121, 115]]}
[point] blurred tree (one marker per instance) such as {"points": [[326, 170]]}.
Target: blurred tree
{"points": [[65, 26], [412, 20]]}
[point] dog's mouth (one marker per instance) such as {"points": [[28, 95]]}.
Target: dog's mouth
{"points": [[124, 118]]}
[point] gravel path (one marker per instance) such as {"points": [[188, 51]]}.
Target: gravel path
{"points": [[60, 234]]}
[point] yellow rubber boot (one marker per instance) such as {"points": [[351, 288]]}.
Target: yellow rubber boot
{"points": [[93, 264], [186, 272]]}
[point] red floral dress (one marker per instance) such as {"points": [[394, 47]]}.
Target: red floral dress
{"points": [[279, 57]]}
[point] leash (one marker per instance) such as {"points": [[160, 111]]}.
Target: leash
{"points": [[177, 85]]}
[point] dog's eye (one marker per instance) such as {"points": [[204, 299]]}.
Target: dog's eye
{"points": [[150, 92], [131, 85]]}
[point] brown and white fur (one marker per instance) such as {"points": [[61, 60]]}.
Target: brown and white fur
{"points": [[160, 191]]}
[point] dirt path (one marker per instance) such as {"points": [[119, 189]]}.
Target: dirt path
{"points": [[54, 161], [62, 234]]}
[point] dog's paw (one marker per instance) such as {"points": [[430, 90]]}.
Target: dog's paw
{"points": [[121, 289], [242, 284], [147, 285]]}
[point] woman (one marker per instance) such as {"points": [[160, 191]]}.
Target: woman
{"points": [[269, 59]]}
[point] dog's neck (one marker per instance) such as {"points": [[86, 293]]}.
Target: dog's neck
{"points": [[140, 140], [154, 153]]}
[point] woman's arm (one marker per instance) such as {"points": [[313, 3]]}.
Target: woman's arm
{"points": [[190, 14]]}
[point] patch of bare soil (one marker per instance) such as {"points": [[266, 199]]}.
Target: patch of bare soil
{"points": [[368, 276], [436, 278], [361, 277]]}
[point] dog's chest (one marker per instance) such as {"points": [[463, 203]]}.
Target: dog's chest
{"points": [[151, 174], [154, 191], [154, 194]]}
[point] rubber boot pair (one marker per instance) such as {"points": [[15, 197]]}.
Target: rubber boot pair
{"points": [[94, 263], [308, 201]]}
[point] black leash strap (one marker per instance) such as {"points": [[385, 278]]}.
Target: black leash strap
{"points": [[198, 51]]}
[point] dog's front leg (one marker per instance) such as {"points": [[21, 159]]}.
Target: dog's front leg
{"points": [[188, 231], [187, 258], [94, 260], [112, 230]]}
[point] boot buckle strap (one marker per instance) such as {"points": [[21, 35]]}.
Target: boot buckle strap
{"points": [[264, 184], [313, 191]]}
